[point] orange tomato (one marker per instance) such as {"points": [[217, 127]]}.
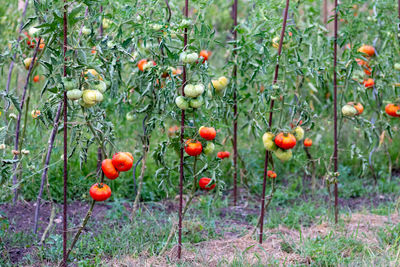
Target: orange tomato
{"points": [[369, 50], [193, 148], [109, 170], [205, 54], [307, 142], [100, 192], [392, 110], [122, 161], [285, 140], [368, 83], [207, 133], [271, 174]]}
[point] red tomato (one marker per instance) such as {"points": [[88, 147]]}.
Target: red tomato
{"points": [[203, 182], [122, 161], [193, 148], [285, 140], [307, 142], [100, 192], [369, 83], [36, 79], [109, 170], [223, 154], [205, 54], [207, 133], [392, 110], [271, 174]]}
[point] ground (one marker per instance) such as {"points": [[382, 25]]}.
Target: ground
{"points": [[215, 234]]}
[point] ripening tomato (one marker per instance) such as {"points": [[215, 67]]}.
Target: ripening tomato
{"points": [[307, 142], [109, 169], [203, 183], [207, 133], [143, 64], [193, 148], [205, 54], [223, 154], [369, 50], [173, 130], [122, 161], [28, 41], [392, 110], [285, 140], [359, 107], [93, 50], [100, 192], [271, 174], [36, 78], [368, 83]]}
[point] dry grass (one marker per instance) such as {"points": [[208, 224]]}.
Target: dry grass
{"points": [[222, 252]]}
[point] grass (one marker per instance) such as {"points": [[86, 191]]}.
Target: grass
{"points": [[116, 236]]}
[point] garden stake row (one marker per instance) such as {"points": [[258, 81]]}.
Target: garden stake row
{"points": [[10, 70], [65, 31], [235, 111], [185, 36], [285, 15], [17, 128], [335, 148]]}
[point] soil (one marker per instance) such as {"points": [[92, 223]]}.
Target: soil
{"points": [[21, 217]]}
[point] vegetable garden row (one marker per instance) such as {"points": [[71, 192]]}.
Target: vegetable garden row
{"points": [[145, 100]]}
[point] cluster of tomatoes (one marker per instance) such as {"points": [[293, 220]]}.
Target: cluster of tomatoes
{"points": [[120, 162], [364, 78], [194, 148], [282, 143]]}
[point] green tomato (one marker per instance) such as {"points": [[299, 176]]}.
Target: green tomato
{"points": [[74, 94], [106, 23], [397, 66], [181, 102], [92, 97], [100, 86], [188, 58], [283, 155], [130, 116], [86, 31], [349, 110], [209, 148], [299, 133], [69, 83], [196, 102], [268, 141], [194, 90]]}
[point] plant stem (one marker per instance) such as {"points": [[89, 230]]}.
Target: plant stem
{"points": [[285, 15], [46, 163], [313, 180], [146, 143], [173, 228], [76, 237], [17, 130], [269, 199]]}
